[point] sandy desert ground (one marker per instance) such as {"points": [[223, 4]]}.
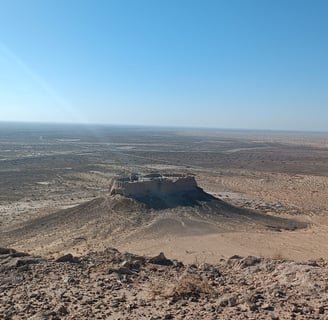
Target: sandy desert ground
{"points": [[263, 196], [48, 168]]}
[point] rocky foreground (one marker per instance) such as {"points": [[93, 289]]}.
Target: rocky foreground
{"points": [[114, 285]]}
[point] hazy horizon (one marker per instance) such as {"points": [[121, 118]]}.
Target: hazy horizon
{"points": [[230, 65], [159, 127]]}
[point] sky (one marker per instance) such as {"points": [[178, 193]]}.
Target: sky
{"points": [[250, 64]]}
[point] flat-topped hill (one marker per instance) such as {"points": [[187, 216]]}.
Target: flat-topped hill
{"points": [[153, 184], [119, 220], [161, 191]]}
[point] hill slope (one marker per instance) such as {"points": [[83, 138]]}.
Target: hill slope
{"points": [[113, 220], [113, 285]]}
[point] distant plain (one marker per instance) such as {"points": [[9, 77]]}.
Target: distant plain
{"points": [[55, 182]]}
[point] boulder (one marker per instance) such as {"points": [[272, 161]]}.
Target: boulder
{"points": [[161, 260]]}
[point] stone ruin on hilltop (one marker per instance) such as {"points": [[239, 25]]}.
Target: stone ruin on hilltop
{"points": [[137, 185]]}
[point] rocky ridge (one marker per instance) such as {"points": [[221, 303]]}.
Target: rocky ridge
{"points": [[115, 285]]}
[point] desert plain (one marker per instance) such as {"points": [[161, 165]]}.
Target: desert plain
{"points": [[47, 168], [270, 192]]}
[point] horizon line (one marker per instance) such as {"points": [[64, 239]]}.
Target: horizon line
{"points": [[183, 127]]}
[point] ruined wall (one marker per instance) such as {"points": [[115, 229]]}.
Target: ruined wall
{"points": [[154, 186]]}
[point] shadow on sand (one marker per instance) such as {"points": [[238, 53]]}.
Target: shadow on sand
{"points": [[217, 208]]}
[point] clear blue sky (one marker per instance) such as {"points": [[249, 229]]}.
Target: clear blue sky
{"points": [[229, 64]]}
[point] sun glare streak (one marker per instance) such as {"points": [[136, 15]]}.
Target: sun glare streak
{"points": [[61, 102]]}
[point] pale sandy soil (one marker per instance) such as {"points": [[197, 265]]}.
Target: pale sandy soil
{"points": [[310, 243], [276, 174], [296, 245], [300, 196]]}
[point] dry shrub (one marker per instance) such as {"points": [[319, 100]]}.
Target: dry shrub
{"points": [[158, 289], [190, 286]]}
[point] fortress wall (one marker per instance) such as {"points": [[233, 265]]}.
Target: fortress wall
{"points": [[136, 188], [155, 186], [181, 184]]}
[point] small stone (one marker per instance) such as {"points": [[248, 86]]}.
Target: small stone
{"points": [[121, 271], [61, 310], [321, 310], [228, 300], [249, 261], [266, 306], [252, 307], [68, 258]]}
